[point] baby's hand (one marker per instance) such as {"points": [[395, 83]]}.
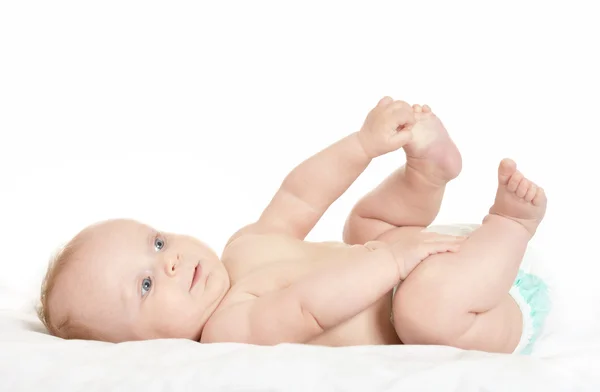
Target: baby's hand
{"points": [[409, 251], [387, 127]]}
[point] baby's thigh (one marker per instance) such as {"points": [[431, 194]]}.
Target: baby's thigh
{"points": [[496, 330], [434, 322]]}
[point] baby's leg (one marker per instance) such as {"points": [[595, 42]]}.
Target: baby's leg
{"points": [[461, 299], [412, 195]]}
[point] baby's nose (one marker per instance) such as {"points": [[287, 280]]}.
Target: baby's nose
{"points": [[171, 265]]}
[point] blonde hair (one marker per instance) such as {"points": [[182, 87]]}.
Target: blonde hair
{"points": [[65, 328]]}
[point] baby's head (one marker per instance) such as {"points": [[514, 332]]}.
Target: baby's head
{"points": [[121, 280]]}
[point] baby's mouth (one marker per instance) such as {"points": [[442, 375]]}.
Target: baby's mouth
{"points": [[196, 276]]}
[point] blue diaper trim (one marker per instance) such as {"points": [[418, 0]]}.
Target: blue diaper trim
{"points": [[534, 292]]}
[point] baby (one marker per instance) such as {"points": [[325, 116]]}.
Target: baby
{"points": [[392, 281]]}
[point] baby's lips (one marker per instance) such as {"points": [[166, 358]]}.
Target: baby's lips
{"points": [[197, 273]]}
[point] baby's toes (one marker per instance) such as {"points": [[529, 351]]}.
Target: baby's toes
{"points": [[417, 108], [514, 181], [531, 193], [523, 188]]}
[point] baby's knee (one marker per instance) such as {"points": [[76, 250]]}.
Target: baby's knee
{"points": [[355, 231]]}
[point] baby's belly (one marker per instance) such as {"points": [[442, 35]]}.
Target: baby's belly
{"points": [[371, 327]]}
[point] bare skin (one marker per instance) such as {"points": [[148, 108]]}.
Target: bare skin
{"points": [[274, 287], [485, 318], [467, 293], [286, 289], [127, 281]]}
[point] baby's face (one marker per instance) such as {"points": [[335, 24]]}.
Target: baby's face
{"points": [[133, 282]]}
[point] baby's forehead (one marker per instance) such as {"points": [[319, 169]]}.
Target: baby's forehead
{"points": [[113, 234], [105, 248], [117, 228]]}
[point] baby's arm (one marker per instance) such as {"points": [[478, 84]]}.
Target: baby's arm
{"points": [[309, 306], [356, 279], [311, 187]]}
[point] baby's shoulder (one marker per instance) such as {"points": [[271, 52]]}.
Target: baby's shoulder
{"points": [[252, 250]]}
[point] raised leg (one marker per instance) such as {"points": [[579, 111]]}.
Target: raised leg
{"points": [[412, 195], [461, 299]]}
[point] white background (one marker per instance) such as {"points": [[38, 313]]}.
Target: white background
{"points": [[187, 115]]}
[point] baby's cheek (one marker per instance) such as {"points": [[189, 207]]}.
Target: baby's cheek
{"points": [[172, 317], [171, 306]]}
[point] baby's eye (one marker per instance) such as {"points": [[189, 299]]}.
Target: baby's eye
{"points": [[159, 243], [146, 286]]}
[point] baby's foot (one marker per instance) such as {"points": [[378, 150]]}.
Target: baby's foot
{"points": [[518, 198], [431, 150]]}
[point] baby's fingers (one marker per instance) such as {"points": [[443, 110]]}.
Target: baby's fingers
{"points": [[403, 118]]}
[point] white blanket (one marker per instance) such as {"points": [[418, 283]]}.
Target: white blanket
{"points": [[32, 360]]}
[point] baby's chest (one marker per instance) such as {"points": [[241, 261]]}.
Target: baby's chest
{"points": [[272, 277], [259, 268]]}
